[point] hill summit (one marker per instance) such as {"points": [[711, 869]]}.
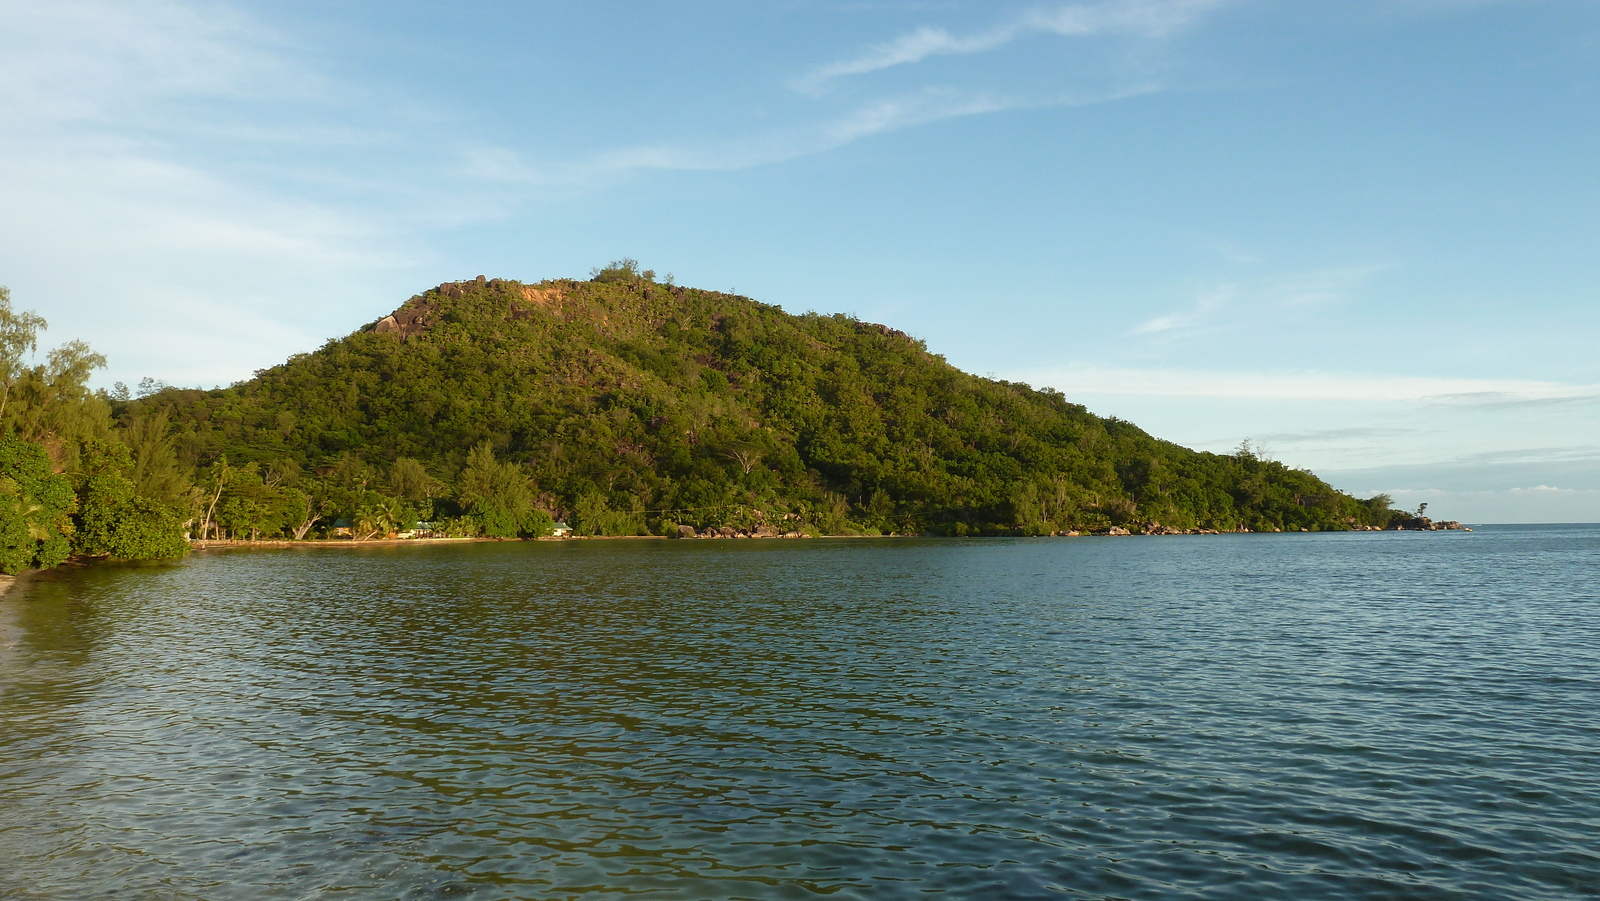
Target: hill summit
{"points": [[629, 405]]}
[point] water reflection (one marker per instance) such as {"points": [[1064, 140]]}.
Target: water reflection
{"points": [[1298, 716]]}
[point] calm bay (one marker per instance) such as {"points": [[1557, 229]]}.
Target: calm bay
{"points": [[1332, 715]]}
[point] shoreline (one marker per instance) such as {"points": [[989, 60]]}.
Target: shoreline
{"points": [[278, 543], [215, 544]]}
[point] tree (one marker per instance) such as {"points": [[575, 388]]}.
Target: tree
{"points": [[378, 517], [409, 480], [308, 512], [49, 403], [744, 451], [19, 339], [112, 519], [496, 493], [625, 271], [35, 508], [592, 515], [157, 474], [219, 476], [52, 401], [251, 504]]}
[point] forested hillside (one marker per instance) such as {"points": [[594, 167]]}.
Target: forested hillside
{"points": [[628, 406]]}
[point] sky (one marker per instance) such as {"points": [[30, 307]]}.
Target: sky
{"points": [[1363, 235]]}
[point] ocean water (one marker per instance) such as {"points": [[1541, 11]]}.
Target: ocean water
{"points": [[1302, 716]]}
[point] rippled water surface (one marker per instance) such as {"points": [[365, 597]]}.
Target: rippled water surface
{"points": [[1256, 716]]}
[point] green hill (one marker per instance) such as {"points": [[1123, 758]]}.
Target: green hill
{"points": [[628, 406]]}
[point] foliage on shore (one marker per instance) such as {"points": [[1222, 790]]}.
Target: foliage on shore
{"points": [[68, 483], [628, 405]]}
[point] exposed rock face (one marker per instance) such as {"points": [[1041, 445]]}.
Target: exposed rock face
{"points": [[541, 296], [1118, 530], [411, 319], [422, 311]]}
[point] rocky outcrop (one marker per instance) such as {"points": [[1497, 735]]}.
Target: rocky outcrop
{"points": [[408, 321], [1424, 524], [761, 531], [422, 311]]}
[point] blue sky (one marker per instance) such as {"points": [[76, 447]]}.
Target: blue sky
{"points": [[1365, 235]]}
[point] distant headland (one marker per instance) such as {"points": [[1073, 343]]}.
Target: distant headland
{"points": [[618, 405]]}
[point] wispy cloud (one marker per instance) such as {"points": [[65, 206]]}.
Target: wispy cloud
{"points": [[1573, 396], [1142, 18], [1281, 384], [90, 60], [1206, 307], [1583, 454], [1532, 484], [825, 127], [1247, 302], [133, 172], [504, 165], [1344, 434], [821, 125], [1565, 463]]}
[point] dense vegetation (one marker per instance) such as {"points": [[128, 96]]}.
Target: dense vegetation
{"points": [[68, 484], [622, 404], [626, 405]]}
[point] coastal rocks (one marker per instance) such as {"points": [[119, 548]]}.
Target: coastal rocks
{"points": [[1424, 524], [1118, 530], [761, 531]]}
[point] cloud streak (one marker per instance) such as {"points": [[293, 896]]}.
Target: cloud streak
{"points": [[1243, 303], [1286, 385], [504, 165], [1138, 18], [1578, 395], [116, 188], [92, 61]]}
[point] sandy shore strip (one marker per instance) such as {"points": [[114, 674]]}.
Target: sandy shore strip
{"points": [[213, 545]]}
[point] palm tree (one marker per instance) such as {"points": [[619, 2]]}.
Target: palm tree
{"points": [[378, 518]]}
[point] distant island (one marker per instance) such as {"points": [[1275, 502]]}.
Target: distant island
{"points": [[619, 405]]}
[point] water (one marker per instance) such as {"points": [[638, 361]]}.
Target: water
{"points": [[1297, 716]]}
